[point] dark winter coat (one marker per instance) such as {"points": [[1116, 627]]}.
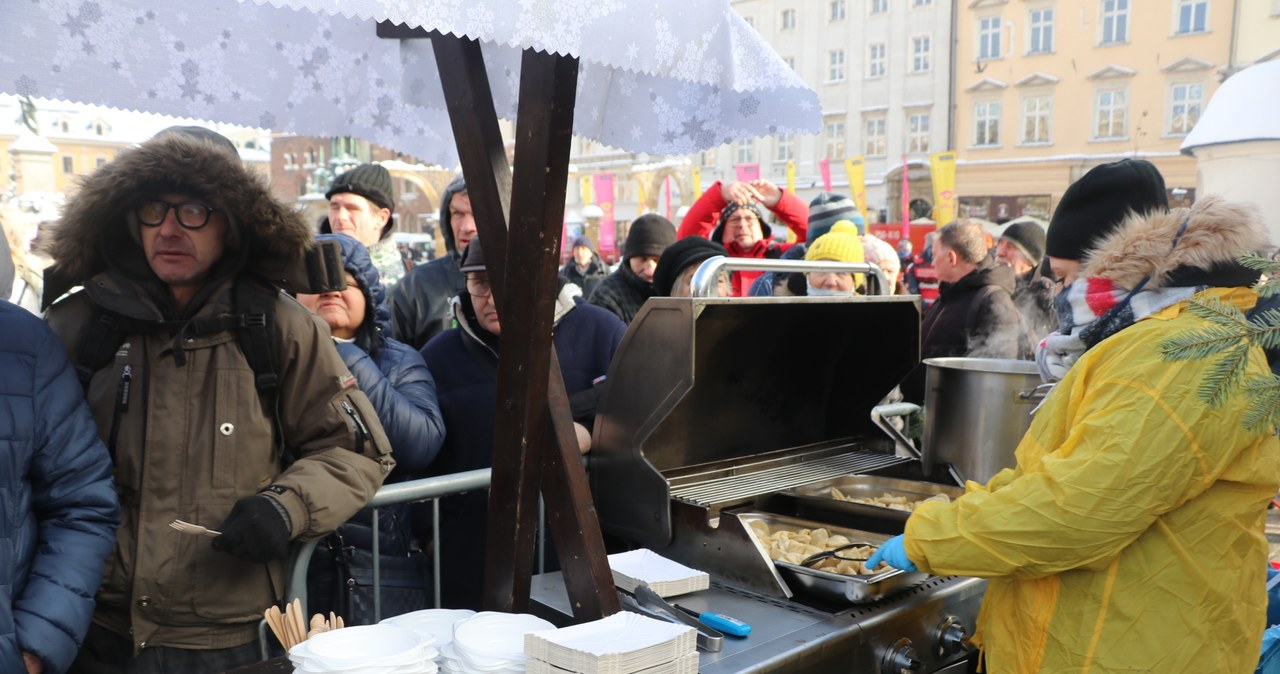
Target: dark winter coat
{"points": [[464, 362], [60, 511], [1033, 295], [420, 301], [402, 392], [623, 292], [588, 278], [973, 317], [194, 435]]}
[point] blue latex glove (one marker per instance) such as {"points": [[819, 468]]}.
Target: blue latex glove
{"points": [[893, 553]]}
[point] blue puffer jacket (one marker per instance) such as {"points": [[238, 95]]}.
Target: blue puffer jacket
{"points": [[60, 513], [397, 382]]}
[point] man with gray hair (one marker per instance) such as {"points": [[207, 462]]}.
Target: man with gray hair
{"points": [[974, 314]]}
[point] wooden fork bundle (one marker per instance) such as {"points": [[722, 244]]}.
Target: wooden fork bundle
{"points": [[290, 628]]}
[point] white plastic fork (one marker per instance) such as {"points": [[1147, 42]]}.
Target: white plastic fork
{"points": [[189, 528]]}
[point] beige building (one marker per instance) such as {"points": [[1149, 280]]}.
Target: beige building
{"points": [[1047, 89], [1257, 32]]}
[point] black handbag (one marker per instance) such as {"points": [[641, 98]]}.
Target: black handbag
{"points": [[342, 581]]}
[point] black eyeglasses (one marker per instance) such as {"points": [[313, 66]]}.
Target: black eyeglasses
{"points": [[191, 215], [479, 287]]}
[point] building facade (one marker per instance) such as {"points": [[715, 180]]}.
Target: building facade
{"points": [[1047, 89]]}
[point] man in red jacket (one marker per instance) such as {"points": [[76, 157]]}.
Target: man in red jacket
{"points": [[730, 214]]}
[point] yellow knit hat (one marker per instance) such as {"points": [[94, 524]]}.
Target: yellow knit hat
{"points": [[839, 244]]}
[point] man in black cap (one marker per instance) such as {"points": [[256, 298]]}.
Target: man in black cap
{"points": [[624, 291], [1021, 248], [584, 268], [360, 206], [1095, 206]]}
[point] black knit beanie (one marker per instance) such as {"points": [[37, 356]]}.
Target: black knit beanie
{"points": [[1096, 204], [1028, 237], [650, 234], [717, 234], [371, 181], [692, 250], [472, 257]]}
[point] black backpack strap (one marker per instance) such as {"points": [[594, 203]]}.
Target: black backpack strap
{"points": [[98, 345], [254, 306]]}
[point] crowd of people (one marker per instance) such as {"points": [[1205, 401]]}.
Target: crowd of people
{"points": [[176, 382]]}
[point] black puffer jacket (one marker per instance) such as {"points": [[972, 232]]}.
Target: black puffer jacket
{"points": [[1033, 295], [623, 293], [420, 301], [587, 279]]}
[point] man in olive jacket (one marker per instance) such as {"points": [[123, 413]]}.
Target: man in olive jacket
{"points": [[159, 239]]}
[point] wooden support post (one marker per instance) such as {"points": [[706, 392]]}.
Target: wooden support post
{"points": [[532, 421]]}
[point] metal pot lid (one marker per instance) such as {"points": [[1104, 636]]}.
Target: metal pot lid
{"points": [[992, 365]]}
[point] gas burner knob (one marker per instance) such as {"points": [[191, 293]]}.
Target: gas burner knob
{"points": [[951, 637], [901, 658]]}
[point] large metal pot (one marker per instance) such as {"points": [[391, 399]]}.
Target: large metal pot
{"points": [[976, 410]]}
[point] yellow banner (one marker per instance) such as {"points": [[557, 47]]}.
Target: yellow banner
{"points": [[642, 193], [584, 189], [696, 174], [856, 170], [943, 167], [791, 177]]}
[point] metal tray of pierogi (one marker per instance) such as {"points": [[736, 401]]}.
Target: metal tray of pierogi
{"points": [[884, 498], [827, 585]]}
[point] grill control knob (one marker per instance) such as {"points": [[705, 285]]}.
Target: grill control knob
{"points": [[901, 659], [951, 637]]}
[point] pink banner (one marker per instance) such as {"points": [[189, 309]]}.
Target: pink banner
{"points": [[906, 201], [824, 167], [604, 199], [748, 172]]}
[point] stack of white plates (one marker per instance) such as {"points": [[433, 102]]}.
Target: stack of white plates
{"points": [[623, 643], [433, 623], [663, 576], [490, 642], [367, 649]]}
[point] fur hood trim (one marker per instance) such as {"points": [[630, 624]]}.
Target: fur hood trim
{"points": [[94, 232], [1218, 232]]}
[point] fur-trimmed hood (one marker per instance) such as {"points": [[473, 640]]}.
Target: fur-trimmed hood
{"points": [[94, 233], [1217, 233]]}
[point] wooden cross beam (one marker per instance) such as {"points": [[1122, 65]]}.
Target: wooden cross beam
{"points": [[534, 443]]}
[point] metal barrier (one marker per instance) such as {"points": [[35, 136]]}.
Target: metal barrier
{"points": [[431, 488], [703, 283]]}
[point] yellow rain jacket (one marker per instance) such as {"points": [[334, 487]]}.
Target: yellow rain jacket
{"points": [[1130, 536]]}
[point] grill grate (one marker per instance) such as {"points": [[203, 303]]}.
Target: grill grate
{"points": [[769, 480]]}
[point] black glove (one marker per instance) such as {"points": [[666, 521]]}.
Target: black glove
{"points": [[257, 530]]}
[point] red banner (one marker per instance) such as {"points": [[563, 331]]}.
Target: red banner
{"points": [[906, 201], [824, 167], [604, 199], [748, 172]]}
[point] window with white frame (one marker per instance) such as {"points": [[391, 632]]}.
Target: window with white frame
{"points": [[790, 61], [835, 65], [745, 152], [876, 57], [1040, 27], [707, 157], [785, 149], [1115, 21], [1037, 117], [833, 137], [918, 132], [837, 10], [788, 19], [1193, 16], [874, 145], [289, 163], [1110, 114], [921, 3], [986, 123], [879, 6], [1186, 100], [920, 52], [988, 38]]}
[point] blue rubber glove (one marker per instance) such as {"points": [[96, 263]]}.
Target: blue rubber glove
{"points": [[893, 553]]}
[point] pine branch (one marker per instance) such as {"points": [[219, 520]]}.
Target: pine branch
{"points": [[1260, 263], [1263, 412], [1216, 311], [1203, 343], [1224, 375]]}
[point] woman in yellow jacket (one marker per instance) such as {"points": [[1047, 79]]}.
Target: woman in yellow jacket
{"points": [[1129, 538]]}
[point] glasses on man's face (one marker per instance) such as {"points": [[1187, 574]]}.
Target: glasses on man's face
{"points": [[191, 215], [479, 287]]}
